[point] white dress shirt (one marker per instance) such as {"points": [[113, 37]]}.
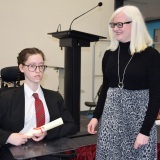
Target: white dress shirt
{"points": [[30, 115]]}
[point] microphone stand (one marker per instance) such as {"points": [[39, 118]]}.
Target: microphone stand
{"points": [[99, 5]]}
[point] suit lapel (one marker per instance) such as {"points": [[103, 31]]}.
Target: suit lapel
{"points": [[52, 105], [48, 100], [19, 103]]}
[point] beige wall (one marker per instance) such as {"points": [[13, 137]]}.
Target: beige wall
{"points": [[25, 23]]}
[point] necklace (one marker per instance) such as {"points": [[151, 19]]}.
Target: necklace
{"points": [[120, 83]]}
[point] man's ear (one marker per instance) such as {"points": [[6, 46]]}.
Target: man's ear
{"points": [[21, 68]]}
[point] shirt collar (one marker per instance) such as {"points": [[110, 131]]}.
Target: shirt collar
{"points": [[29, 92]]}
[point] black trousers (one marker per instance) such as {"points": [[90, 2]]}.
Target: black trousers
{"points": [[5, 154]]}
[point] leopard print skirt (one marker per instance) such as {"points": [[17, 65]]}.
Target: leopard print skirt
{"points": [[120, 123]]}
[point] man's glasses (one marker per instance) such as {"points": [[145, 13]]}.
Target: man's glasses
{"points": [[118, 24], [33, 67]]}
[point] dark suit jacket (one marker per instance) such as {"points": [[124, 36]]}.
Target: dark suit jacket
{"points": [[12, 108]]}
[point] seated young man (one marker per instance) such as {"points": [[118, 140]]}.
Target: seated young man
{"points": [[18, 112]]}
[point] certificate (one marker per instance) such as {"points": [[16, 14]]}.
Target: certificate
{"points": [[46, 127]]}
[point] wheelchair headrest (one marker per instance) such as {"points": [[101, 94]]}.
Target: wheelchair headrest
{"points": [[11, 74]]}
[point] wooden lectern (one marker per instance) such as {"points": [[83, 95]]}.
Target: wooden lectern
{"points": [[72, 41]]}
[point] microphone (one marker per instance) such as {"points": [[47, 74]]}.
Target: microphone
{"points": [[59, 26], [99, 5]]}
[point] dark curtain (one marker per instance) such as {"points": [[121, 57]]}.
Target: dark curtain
{"points": [[85, 153]]}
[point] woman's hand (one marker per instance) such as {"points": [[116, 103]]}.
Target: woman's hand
{"points": [[38, 136], [141, 140], [92, 125], [17, 139]]}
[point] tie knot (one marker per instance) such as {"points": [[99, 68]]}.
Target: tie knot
{"points": [[35, 95]]}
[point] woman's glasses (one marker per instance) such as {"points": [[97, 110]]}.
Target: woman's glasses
{"points": [[118, 24], [33, 67]]}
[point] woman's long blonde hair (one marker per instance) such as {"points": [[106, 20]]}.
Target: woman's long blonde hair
{"points": [[140, 38]]}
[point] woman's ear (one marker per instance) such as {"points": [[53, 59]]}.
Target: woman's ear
{"points": [[21, 68]]}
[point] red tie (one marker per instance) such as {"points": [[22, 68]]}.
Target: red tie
{"points": [[40, 115]]}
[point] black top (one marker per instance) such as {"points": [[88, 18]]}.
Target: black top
{"points": [[143, 72]]}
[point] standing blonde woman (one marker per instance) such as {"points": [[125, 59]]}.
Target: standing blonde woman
{"points": [[130, 98]]}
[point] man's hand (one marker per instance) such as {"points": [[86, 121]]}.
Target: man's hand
{"points": [[38, 136], [17, 139]]}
